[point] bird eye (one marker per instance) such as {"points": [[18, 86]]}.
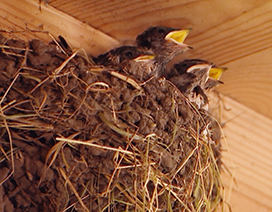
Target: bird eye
{"points": [[128, 54], [161, 31]]}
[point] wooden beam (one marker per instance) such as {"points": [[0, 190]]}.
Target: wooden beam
{"points": [[15, 14]]}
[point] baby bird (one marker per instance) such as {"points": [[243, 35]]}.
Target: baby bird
{"points": [[194, 77], [164, 43], [129, 59]]}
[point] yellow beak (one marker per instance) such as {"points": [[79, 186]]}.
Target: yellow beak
{"points": [[216, 73], [178, 36], [144, 58]]}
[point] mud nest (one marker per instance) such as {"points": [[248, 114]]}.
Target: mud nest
{"points": [[78, 138]]}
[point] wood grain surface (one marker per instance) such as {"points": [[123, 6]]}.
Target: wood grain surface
{"points": [[248, 157]]}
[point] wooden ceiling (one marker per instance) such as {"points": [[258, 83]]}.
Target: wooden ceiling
{"points": [[235, 34]]}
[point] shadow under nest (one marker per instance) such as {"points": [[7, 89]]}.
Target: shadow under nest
{"points": [[75, 137]]}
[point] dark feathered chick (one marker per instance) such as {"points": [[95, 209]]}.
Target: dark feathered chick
{"points": [[164, 42], [197, 69], [194, 77], [188, 74], [129, 59]]}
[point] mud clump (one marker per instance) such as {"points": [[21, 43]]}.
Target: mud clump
{"points": [[80, 139]]}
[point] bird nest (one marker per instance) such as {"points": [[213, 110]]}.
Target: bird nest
{"points": [[78, 137]]}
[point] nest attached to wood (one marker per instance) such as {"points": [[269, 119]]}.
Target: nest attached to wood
{"points": [[75, 137]]}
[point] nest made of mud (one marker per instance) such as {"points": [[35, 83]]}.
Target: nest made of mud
{"points": [[75, 137]]}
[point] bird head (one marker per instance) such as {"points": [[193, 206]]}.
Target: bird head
{"points": [[164, 42], [129, 59], [122, 56]]}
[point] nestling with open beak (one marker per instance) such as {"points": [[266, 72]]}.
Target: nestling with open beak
{"points": [[194, 77], [164, 43], [129, 59]]}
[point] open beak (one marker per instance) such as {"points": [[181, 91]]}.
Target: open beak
{"points": [[177, 36], [216, 73], [143, 58]]}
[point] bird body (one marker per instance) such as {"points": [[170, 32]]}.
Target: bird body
{"points": [[194, 77]]}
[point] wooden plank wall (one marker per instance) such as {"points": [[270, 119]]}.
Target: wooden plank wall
{"points": [[247, 154]]}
